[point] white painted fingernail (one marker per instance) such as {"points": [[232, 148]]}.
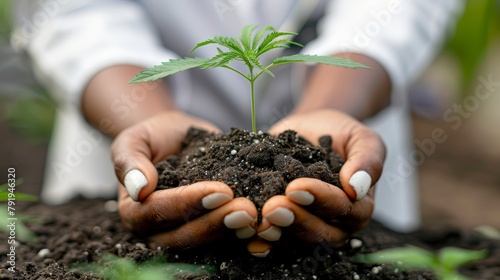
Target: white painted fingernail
{"points": [[261, 255], [215, 200], [361, 183], [301, 197], [246, 232], [238, 219], [134, 182], [271, 234], [280, 216]]}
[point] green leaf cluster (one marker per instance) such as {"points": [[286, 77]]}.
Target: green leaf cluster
{"points": [[443, 263], [246, 49]]}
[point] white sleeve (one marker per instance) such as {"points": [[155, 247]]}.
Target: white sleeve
{"points": [[402, 35], [70, 41]]}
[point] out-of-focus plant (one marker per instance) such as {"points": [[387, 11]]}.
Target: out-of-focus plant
{"points": [[5, 18], [26, 106], [115, 268], [32, 115], [443, 264], [9, 197], [475, 30]]}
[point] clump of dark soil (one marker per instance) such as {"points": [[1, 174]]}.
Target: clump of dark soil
{"points": [[255, 165]]}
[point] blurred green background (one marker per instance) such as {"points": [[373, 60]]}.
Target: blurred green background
{"points": [[26, 106]]}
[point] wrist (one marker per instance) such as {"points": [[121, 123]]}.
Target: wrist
{"points": [[360, 93], [111, 104]]}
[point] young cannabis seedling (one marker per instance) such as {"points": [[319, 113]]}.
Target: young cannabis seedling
{"points": [[443, 264], [247, 49], [116, 268]]}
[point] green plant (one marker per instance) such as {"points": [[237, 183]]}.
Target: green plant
{"points": [[8, 195], [246, 49], [113, 267], [443, 264]]}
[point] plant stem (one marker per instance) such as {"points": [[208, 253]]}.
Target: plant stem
{"points": [[252, 93]]}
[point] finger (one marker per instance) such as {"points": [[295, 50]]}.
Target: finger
{"points": [[360, 146], [166, 209], [207, 228], [259, 248], [330, 203], [136, 149], [365, 154], [304, 225]]}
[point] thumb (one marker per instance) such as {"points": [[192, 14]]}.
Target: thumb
{"points": [[365, 155], [132, 156], [136, 149]]}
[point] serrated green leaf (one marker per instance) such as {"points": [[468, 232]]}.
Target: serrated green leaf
{"points": [[257, 64], [452, 257], [167, 68], [283, 44], [406, 257], [220, 60], [246, 36], [270, 38], [330, 60], [224, 41], [201, 44], [259, 34]]}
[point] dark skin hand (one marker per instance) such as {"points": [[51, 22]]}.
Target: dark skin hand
{"points": [[332, 215], [194, 215]]}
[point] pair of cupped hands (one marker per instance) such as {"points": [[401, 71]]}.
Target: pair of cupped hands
{"points": [[194, 215]]}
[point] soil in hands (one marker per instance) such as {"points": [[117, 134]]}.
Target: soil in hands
{"points": [[255, 165]]}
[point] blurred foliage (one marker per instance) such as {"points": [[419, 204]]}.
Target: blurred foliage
{"points": [[5, 17], [443, 264], [474, 32], [31, 111], [32, 115], [113, 267], [22, 232]]}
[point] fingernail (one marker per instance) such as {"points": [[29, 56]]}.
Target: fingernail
{"points": [[246, 232], [271, 234], [238, 219], [280, 216], [215, 200], [261, 255], [361, 183], [134, 182], [301, 197]]}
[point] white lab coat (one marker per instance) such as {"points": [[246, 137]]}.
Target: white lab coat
{"points": [[69, 41]]}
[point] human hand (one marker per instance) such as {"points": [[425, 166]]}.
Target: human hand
{"points": [[182, 217], [315, 211]]}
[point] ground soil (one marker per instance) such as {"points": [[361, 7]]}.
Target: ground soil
{"points": [[83, 231]]}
